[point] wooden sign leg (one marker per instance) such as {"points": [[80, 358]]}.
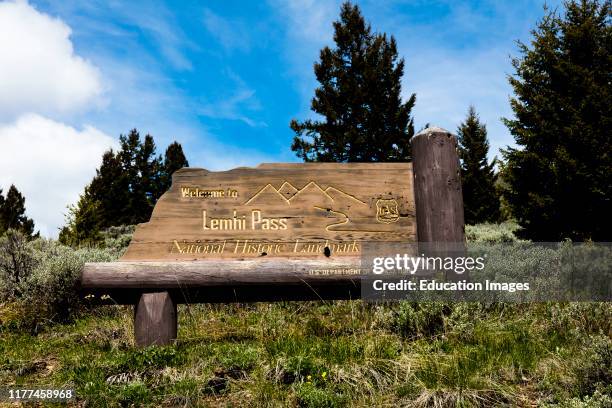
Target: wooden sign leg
{"points": [[437, 192], [155, 319]]}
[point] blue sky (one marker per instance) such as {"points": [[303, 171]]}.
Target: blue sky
{"points": [[224, 78]]}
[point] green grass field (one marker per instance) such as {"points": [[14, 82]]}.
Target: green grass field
{"points": [[327, 354], [305, 354]]}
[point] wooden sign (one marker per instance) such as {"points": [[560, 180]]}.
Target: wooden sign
{"points": [[314, 210], [289, 224]]}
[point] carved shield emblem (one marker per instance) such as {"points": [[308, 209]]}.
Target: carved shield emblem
{"points": [[387, 211]]}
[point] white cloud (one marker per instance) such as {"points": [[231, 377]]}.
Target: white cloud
{"points": [[231, 34], [39, 70], [151, 18], [50, 163], [308, 20], [41, 76], [170, 39], [308, 25], [232, 106]]}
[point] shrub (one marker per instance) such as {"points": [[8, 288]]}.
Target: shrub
{"points": [[595, 370], [16, 262], [41, 277], [420, 319], [117, 238], [465, 315], [52, 288], [492, 233], [582, 317], [597, 400]]}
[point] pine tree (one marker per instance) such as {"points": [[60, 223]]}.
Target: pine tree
{"points": [[559, 177], [12, 213], [124, 190], [128, 183], [174, 159], [2, 223], [146, 186], [359, 97], [480, 199], [110, 189], [85, 221]]}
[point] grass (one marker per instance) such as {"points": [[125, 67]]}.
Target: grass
{"points": [[310, 354]]}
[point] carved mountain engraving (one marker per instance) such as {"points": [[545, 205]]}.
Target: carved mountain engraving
{"points": [[287, 190]]}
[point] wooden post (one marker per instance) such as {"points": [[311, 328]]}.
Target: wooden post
{"points": [[437, 191], [155, 319]]}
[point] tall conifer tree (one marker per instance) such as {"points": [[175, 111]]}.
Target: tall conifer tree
{"points": [[2, 226], [359, 98], [559, 177], [146, 186], [124, 190], [174, 159], [111, 189], [12, 213], [480, 200]]}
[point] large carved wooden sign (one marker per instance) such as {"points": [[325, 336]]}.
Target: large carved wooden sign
{"points": [[279, 210]]}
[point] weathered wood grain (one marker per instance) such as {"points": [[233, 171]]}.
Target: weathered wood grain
{"points": [[306, 208], [437, 185], [155, 319], [438, 195], [221, 281], [168, 275]]}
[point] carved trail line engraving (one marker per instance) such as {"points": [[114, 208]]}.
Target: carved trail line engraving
{"points": [[312, 187]]}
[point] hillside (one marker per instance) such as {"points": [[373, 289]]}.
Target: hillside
{"points": [[316, 354]]}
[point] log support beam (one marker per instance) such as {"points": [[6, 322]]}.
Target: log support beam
{"points": [[437, 187], [437, 193], [155, 319]]}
